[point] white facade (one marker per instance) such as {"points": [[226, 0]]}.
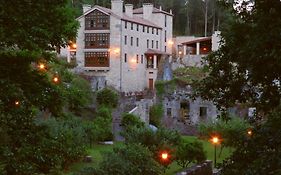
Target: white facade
{"points": [[138, 39]]}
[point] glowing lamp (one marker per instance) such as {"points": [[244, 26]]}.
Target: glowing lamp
{"points": [[215, 140], [164, 156], [117, 50], [204, 48], [133, 60], [17, 103], [180, 52], [55, 79], [74, 45], [170, 42], [250, 132], [41, 66]]}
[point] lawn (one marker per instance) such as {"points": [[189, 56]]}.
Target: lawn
{"points": [[96, 151]]}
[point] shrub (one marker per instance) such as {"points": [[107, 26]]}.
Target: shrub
{"points": [[187, 153], [103, 124], [130, 120], [231, 131], [107, 97], [154, 141], [132, 159], [155, 114]]}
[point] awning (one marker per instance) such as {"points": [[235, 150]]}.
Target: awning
{"points": [[198, 40], [155, 52]]}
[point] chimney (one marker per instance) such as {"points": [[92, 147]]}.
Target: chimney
{"points": [[86, 7], [117, 7], [147, 10], [129, 10]]}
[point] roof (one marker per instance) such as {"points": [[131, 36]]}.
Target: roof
{"points": [[197, 40], [134, 19], [155, 52], [155, 10]]}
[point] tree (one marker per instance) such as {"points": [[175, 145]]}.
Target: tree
{"points": [[187, 153], [29, 30], [246, 68], [260, 153], [36, 26], [107, 97]]}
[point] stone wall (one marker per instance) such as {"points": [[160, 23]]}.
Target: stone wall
{"points": [[202, 169]]}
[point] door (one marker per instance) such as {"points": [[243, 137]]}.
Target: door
{"points": [[150, 82]]}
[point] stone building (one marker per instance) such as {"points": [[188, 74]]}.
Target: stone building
{"points": [[190, 49], [122, 49]]}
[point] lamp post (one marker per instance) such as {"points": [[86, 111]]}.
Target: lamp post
{"points": [[215, 141]]}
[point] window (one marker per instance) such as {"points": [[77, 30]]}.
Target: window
{"points": [[165, 36], [96, 59], [143, 28], [157, 32], [96, 40], [152, 44], [132, 26], [137, 27], [126, 24], [141, 59], [147, 43], [203, 112], [165, 48], [96, 20], [169, 111], [147, 29], [152, 30], [165, 20], [137, 58], [137, 42], [125, 40], [125, 58], [132, 40], [157, 44]]}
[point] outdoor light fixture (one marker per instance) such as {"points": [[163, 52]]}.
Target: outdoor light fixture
{"points": [[41, 66], [180, 52], [204, 48], [215, 141], [74, 45], [250, 132], [117, 50], [170, 42], [164, 156], [56, 79], [17, 103]]}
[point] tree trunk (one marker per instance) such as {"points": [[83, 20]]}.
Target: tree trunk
{"points": [[206, 17]]}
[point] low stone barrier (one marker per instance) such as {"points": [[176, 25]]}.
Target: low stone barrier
{"points": [[204, 168]]}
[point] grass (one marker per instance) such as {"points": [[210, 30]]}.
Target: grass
{"points": [[96, 153]]}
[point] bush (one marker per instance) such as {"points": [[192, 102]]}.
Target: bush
{"points": [[130, 120], [232, 131], [155, 114], [131, 159], [191, 152], [107, 97], [103, 124], [154, 141]]}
